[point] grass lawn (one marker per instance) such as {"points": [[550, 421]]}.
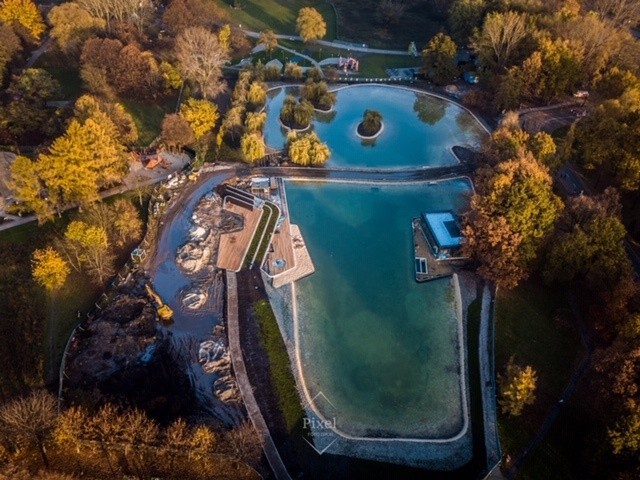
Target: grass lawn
{"points": [[279, 366], [357, 22], [533, 324], [278, 15], [148, 117], [54, 62]]}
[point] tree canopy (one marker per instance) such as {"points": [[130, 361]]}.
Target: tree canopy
{"points": [[24, 16], [310, 24], [439, 59]]}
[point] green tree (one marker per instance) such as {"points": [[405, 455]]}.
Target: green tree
{"points": [[268, 39], [439, 59], [464, 16], [310, 24], [252, 147], [170, 75], [517, 388], [589, 245], [28, 112], [371, 123], [24, 16], [71, 25], [49, 269], [201, 115]]}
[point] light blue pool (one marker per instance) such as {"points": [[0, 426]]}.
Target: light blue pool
{"points": [[383, 349], [419, 130]]}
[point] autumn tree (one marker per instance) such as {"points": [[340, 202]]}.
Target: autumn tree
{"points": [[256, 96], [439, 59], [201, 115], [24, 16], [176, 132], [294, 114], [200, 60], [112, 116], [268, 39], [29, 421], [244, 443], [71, 25], [49, 269], [310, 24], [254, 122], [293, 71], [511, 214], [517, 388], [28, 189], [619, 12], [252, 147], [9, 47], [496, 42], [170, 74], [87, 248], [307, 150], [120, 219]]}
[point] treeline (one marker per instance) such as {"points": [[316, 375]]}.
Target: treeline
{"points": [[112, 442], [517, 227]]}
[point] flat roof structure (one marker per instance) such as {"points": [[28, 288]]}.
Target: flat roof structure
{"points": [[445, 228]]}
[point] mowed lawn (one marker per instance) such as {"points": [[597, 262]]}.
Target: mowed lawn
{"points": [[148, 117], [277, 15], [533, 323]]}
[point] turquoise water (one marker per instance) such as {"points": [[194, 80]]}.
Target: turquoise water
{"points": [[419, 130], [382, 348]]}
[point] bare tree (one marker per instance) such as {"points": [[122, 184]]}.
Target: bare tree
{"points": [[28, 421], [245, 443], [501, 33], [619, 12], [200, 59]]}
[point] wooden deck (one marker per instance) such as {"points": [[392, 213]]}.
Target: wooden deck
{"points": [[233, 246], [303, 263], [281, 249]]}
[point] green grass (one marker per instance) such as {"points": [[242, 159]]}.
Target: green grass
{"points": [[256, 237], [529, 326], [279, 366], [277, 15], [54, 62], [268, 231], [148, 117]]}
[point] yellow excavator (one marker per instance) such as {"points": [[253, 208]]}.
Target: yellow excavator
{"points": [[164, 311]]}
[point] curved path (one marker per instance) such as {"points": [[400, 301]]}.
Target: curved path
{"points": [[339, 45]]}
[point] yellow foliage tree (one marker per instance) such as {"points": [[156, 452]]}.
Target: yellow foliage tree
{"points": [[310, 24], [27, 188], [24, 13], [71, 25], [254, 122], [308, 150], [201, 115], [252, 147], [517, 388], [224, 37], [49, 269]]}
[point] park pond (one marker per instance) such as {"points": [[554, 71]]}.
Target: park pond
{"points": [[419, 129]]}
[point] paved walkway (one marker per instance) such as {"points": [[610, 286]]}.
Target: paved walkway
{"points": [[487, 378], [354, 47], [240, 370]]}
